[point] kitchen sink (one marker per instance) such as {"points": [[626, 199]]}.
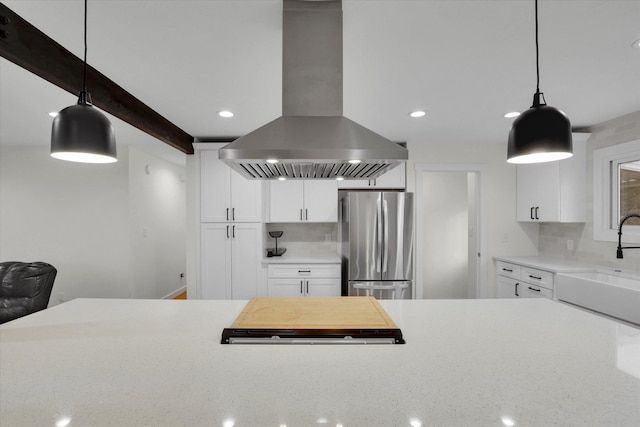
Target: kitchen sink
{"points": [[606, 291]]}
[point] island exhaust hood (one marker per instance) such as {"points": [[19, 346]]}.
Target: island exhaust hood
{"points": [[312, 139]]}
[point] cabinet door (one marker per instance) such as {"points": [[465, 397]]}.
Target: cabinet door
{"points": [[507, 287], [246, 258], [548, 191], [394, 179], [214, 188], [246, 198], [286, 201], [321, 201], [215, 261], [356, 183], [538, 192], [286, 287], [322, 287]]}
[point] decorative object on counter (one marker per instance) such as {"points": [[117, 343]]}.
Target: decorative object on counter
{"points": [[620, 248], [81, 133], [542, 133], [271, 252]]}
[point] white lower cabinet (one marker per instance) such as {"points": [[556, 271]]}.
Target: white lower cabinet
{"points": [[517, 281], [299, 280], [231, 255]]}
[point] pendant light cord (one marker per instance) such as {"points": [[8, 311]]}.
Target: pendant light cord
{"points": [[537, 64], [538, 95], [84, 98], [84, 79]]}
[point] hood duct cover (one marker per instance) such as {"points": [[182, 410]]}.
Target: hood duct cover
{"points": [[312, 139]]}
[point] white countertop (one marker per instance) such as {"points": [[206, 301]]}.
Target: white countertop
{"points": [[309, 259], [465, 363], [554, 265]]}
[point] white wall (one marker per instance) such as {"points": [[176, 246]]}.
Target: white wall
{"points": [[78, 218], [505, 236]]}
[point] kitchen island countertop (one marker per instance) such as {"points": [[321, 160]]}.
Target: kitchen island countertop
{"points": [[532, 362]]}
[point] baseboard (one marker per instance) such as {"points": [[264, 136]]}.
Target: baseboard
{"points": [[175, 293]]}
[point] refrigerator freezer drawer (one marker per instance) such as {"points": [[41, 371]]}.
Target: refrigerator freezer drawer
{"points": [[382, 289]]}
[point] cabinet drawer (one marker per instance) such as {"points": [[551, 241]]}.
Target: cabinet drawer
{"points": [[532, 291], [508, 269], [537, 277], [304, 270]]}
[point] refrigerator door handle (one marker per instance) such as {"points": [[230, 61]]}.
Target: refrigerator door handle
{"points": [[379, 232], [385, 247]]}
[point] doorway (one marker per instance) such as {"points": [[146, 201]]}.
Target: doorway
{"points": [[450, 235]]}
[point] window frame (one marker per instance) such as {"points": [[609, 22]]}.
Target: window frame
{"points": [[606, 191]]}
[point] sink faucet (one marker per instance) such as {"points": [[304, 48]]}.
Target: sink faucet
{"points": [[620, 248]]}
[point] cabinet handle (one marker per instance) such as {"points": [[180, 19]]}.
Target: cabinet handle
{"points": [[307, 287], [517, 289], [507, 269], [537, 212], [306, 214], [233, 214], [531, 213], [227, 231], [233, 232], [301, 286], [300, 214], [535, 277], [227, 214], [304, 271], [534, 289]]}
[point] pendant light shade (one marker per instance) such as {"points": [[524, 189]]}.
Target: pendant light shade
{"points": [[542, 133], [81, 133]]}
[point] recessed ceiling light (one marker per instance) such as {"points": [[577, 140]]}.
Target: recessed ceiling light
{"points": [[53, 113], [225, 113], [636, 44], [417, 113], [512, 114]]}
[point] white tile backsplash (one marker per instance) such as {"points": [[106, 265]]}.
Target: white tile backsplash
{"points": [[304, 239]]}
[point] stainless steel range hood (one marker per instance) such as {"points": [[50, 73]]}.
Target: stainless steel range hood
{"points": [[312, 139]]}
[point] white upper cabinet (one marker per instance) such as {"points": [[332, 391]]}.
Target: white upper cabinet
{"points": [[395, 179], [554, 191], [225, 195], [303, 201]]}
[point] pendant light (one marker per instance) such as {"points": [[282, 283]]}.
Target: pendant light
{"points": [[81, 133], [542, 133]]}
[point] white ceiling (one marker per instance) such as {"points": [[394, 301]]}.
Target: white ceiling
{"points": [[465, 62]]}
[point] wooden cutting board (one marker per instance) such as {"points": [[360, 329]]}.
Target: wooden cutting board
{"points": [[310, 318], [314, 313]]}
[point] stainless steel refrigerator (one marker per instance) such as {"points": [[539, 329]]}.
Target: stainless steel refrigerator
{"points": [[376, 243]]}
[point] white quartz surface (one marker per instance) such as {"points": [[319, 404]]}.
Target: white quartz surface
{"points": [[554, 265], [319, 259], [466, 363]]}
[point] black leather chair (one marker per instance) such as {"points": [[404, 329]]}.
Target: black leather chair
{"points": [[25, 287]]}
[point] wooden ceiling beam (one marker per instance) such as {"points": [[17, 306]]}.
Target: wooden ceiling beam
{"points": [[26, 46]]}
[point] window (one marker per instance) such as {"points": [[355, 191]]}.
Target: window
{"points": [[616, 183]]}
